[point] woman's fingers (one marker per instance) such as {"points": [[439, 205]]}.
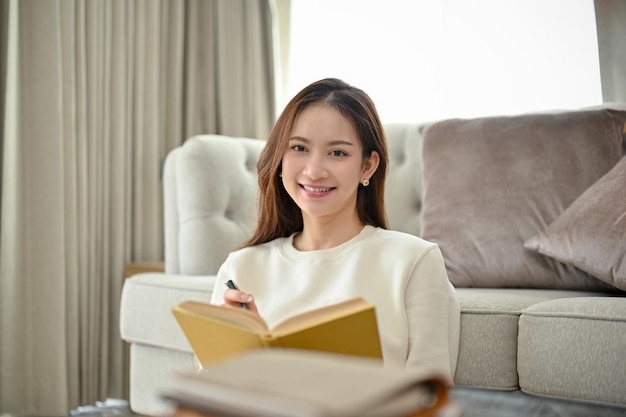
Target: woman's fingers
{"points": [[236, 298]]}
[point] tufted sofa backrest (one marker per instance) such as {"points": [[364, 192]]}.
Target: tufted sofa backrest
{"points": [[210, 195]]}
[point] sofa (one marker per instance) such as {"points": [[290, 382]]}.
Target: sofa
{"points": [[529, 211]]}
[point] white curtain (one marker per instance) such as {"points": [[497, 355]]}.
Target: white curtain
{"points": [[610, 18], [93, 94]]}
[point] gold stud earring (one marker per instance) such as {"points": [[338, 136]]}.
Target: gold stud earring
{"points": [[365, 182]]}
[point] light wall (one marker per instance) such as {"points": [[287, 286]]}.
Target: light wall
{"points": [[426, 60]]}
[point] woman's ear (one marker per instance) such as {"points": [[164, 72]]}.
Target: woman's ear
{"points": [[370, 164]]}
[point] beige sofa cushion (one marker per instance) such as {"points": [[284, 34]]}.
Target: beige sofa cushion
{"points": [[591, 233], [574, 348], [492, 183], [489, 329]]}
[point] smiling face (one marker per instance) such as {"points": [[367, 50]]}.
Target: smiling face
{"points": [[323, 165]]}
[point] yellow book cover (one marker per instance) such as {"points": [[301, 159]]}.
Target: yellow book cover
{"points": [[217, 332]]}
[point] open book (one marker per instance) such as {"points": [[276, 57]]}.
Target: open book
{"points": [[217, 332], [299, 383]]}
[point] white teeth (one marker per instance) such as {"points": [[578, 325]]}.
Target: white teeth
{"points": [[316, 190]]}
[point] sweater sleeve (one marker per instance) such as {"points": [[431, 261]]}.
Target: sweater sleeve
{"points": [[217, 297], [433, 317]]}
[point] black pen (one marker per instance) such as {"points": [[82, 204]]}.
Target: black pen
{"points": [[231, 284]]}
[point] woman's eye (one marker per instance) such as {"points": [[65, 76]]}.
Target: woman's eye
{"points": [[298, 148], [338, 152]]}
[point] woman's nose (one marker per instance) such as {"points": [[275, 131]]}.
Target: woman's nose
{"points": [[315, 168]]}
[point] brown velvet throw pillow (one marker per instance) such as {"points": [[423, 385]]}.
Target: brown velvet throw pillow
{"points": [[591, 233], [492, 183]]}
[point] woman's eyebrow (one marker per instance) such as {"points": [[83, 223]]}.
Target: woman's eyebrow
{"points": [[299, 138], [336, 142], [340, 142]]}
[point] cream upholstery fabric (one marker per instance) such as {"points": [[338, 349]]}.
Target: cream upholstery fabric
{"points": [[161, 290], [574, 348], [403, 192], [157, 345], [151, 368], [489, 333], [210, 187]]}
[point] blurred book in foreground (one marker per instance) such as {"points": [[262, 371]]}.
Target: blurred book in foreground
{"points": [[280, 382]]}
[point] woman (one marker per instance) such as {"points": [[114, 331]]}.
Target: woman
{"points": [[321, 236]]}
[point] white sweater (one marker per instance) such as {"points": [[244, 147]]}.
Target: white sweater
{"points": [[402, 275]]}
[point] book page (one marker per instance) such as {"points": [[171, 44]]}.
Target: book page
{"points": [[214, 339], [319, 315], [237, 316]]}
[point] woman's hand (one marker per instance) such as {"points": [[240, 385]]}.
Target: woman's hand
{"points": [[233, 298]]}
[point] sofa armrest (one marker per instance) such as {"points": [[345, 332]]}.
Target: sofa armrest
{"points": [[146, 302]]}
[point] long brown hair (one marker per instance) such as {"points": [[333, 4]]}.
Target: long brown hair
{"points": [[279, 216]]}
